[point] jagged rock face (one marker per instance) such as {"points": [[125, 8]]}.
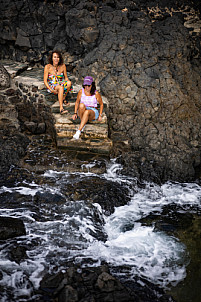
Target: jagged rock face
{"points": [[18, 112], [145, 57], [154, 90], [4, 78], [12, 142]]}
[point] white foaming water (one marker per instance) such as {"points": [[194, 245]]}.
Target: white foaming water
{"points": [[28, 189], [113, 173], [67, 232], [152, 255]]}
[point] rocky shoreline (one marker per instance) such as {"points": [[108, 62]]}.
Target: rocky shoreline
{"points": [[146, 61], [98, 284]]}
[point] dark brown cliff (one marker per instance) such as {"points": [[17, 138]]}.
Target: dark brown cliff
{"points": [[145, 55]]}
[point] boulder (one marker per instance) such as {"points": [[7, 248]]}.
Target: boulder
{"points": [[11, 227], [97, 284]]}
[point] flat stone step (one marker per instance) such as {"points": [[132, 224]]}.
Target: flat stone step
{"points": [[66, 126], [13, 68], [93, 139], [98, 146], [90, 131], [56, 109], [71, 96]]}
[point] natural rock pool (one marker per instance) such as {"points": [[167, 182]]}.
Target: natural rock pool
{"points": [[84, 210]]}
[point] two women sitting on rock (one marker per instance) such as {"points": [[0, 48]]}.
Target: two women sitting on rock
{"points": [[57, 82], [86, 105], [56, 79]]}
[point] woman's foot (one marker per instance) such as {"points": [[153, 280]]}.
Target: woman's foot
{"points": [[63, 111], [83, 128], [77, 134]]}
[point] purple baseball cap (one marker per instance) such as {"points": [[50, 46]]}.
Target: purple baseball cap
{"points": [[88, 80]]}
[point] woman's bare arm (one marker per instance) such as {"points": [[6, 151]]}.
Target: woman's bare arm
{"points": [[99, 99], [77, 103], [45, 77], [65, 72]]}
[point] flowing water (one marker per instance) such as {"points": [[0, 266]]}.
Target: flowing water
{"points": [[62, 229]]}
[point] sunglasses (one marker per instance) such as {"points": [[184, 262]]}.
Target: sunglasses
{"points": [[87, 85]]}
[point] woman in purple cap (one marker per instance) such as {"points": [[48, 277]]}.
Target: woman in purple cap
{"points": [[86, 105]]}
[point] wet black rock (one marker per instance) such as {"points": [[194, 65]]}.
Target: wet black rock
{"points": [[11, 227], [171, 220], [48, 198], [107, 193], [18, 253], [96, 284], [13, 146]]}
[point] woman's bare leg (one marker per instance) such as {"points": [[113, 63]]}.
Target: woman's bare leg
{"points": [[60, 92], [81, 110], [85, 116], [68, 89], [88, 115]]}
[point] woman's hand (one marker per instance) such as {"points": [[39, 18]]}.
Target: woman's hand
{"points": [[100, 118], [54, 91], [74, 116]]}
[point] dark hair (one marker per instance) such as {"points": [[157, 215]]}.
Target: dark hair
{"points": [[93, 88], [50, 61]]}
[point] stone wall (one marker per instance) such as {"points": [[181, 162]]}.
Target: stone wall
{"points": [[23, 112], [33, 113], [145, 56]]}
